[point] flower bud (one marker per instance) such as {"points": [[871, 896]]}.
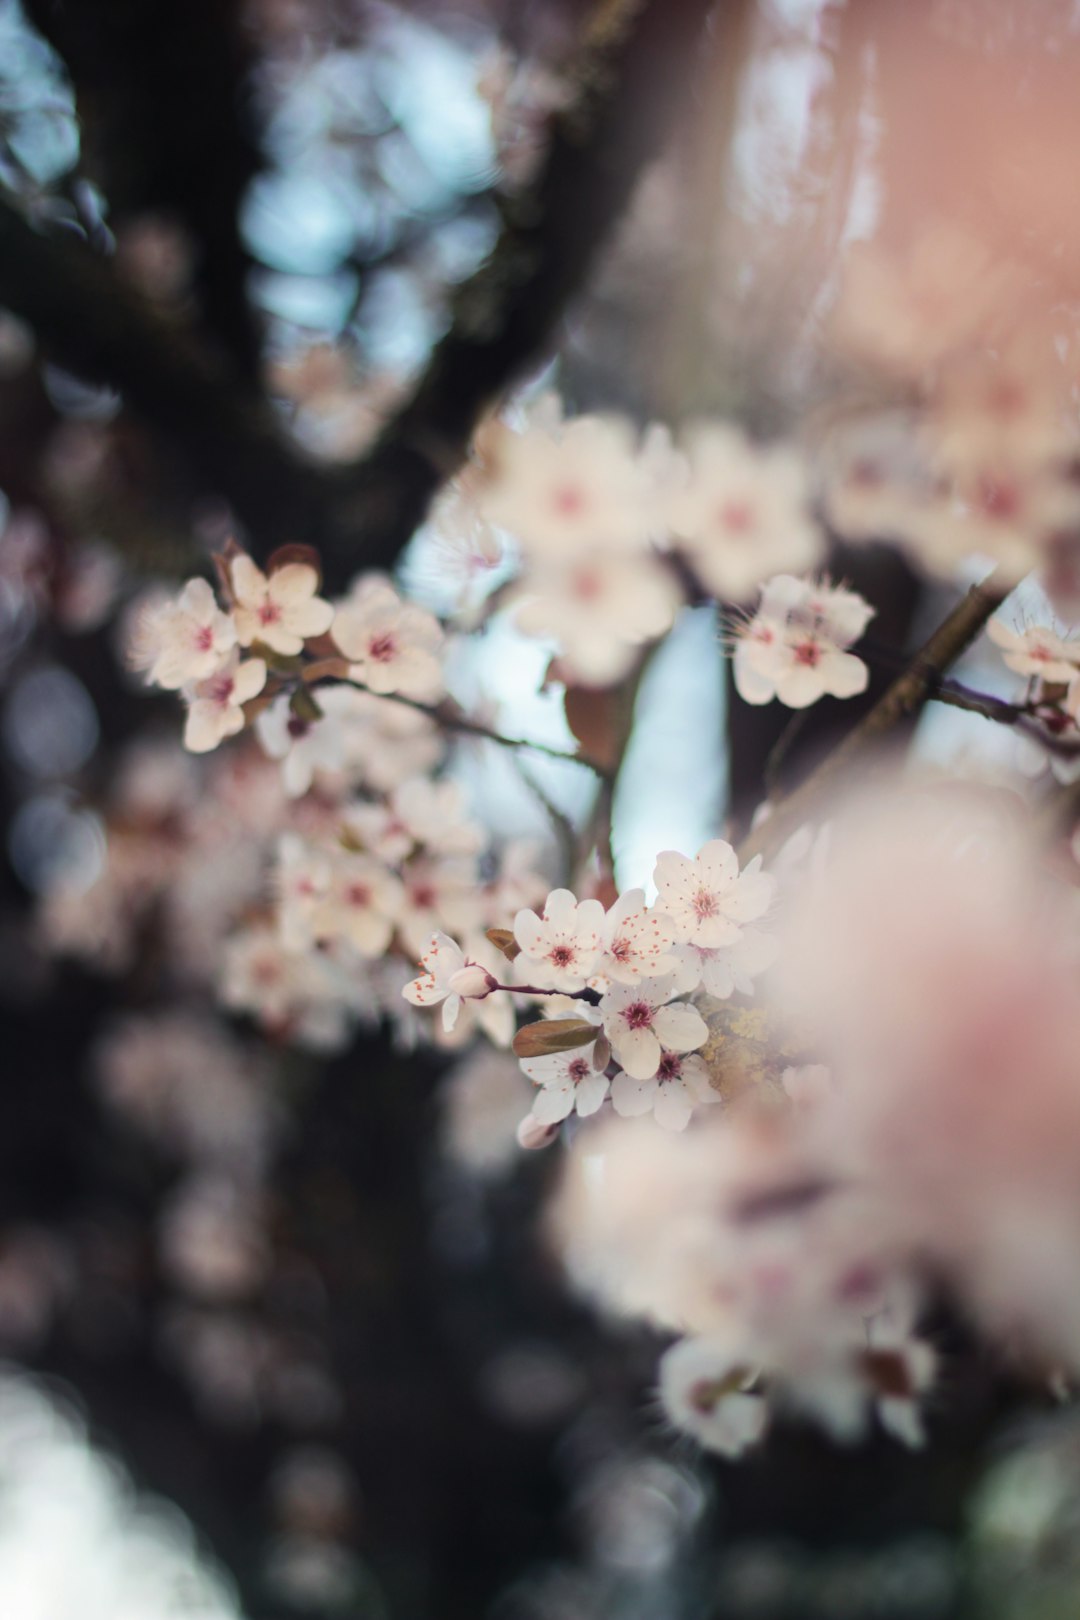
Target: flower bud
{"points": [[472, 982]]}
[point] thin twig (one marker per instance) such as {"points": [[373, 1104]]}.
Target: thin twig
{"points": [[561, 825], [450, 719]]}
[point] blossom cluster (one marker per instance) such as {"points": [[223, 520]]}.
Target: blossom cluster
{"points": [[795, 646], [974, 452], [632, 968], [613, 531], [787, 1225], [231, 659], [796, 1237]]}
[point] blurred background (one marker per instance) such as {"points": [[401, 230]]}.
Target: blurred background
{"points": [[281, 1334]]}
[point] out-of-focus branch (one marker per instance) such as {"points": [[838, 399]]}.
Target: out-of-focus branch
{"points": [[631, 76], [162, 99], [904, 699], [633, 72], [88, 319], [447, 715]]}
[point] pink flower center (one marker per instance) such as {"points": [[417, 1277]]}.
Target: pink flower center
{"points": [[423, 896], [737, 517], [381, 649], [808, 653], [996, 499], [569, 500], [639, 1015], [865, 474], [588, 585], [670, 1067], [560, 956], [269, 613], [204, 638], [296, 727], [1006, 399], [358, 894], [579, 1070], [622, 950], [221, 689], [705, 904]]}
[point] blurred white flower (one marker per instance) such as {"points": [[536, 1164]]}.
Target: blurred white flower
{"points": [[280, 611], [391, 645], [216, 708]]}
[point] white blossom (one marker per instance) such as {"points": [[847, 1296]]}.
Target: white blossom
{"points": [[681, 1084], [216, 705], [280, 611], [360, 904], [568, 1083], [391, 645], [795, 646], [559, 949], [420, 813], [722, 969], [637, 941], [565, 489], [600, 607], [705, 1396], [440, 894], [707, 898], [642, 1023], [304, 747], [187, 639], [448, 977], [743, 512], [1036, 650]]}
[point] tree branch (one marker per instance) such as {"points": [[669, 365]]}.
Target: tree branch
{"points": [[904, 699], [631, 77]]}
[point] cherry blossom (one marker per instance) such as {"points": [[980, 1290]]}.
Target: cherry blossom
{"points": [[600, 607], [440, 894], [280, 611], [360, 904], [1008, 411], [391, 645], [559, 950], [642, 1023], [705, 1396], [1008, 515], [297, 992], [187, 639], [724, 969], [301, 880], [743, 512], [1036, 651], [566, 489], [305, 747], [795, 647], [637, 941], [448, 977], [216, 708], [681, 1083], [568, 1083], [707, 898]]}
